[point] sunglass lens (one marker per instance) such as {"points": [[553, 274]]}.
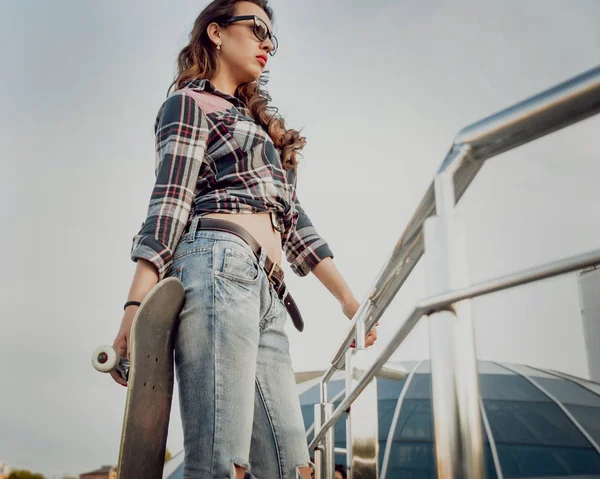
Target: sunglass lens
{"points": [[261, 31]]}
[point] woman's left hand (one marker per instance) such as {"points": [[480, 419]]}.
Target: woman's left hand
{"points": [[349, 308]]}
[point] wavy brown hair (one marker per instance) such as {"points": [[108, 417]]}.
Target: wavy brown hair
{"points": [[198, 60]]}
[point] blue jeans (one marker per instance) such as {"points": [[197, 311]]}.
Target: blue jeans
{"points": [[236, 383]]}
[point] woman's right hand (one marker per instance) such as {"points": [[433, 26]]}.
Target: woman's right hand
{"points": [[144, 280], [121, 342]]}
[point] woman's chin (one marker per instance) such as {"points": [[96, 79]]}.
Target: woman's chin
{"points": [[253, 74], [250, 76]]}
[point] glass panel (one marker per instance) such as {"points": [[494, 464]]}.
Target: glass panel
{"points": [[313, 395], [424, 368], [340, 459], [416, 460], [389, 389], [531, 372], [308, 414], [588, 417], [513, 388], [386, 414], [381, 454], [388, 392], [532, 423], [415, 421], [335, 387], [173, 468], [592, 386], [302, 387], [484, 367], [420, 387], [411, 460], [536, 461], [177, 473], [568, 392], [490, 469]]}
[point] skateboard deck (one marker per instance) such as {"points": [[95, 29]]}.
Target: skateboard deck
{"points": [[150, 376]]}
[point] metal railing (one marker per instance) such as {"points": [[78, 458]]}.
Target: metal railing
{"points": [[435, 228]]}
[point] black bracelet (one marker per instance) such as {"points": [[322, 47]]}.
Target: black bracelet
{"points": [[131, 303]]}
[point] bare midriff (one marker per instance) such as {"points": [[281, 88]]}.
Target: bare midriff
{"points": [[258, 225]]}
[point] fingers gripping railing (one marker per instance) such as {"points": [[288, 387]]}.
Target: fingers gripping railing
{"points": [[551, 110]]}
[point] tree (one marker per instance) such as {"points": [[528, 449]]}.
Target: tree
{"points": [[24, 474]]}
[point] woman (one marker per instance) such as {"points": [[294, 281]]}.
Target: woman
{"points": [[223, 207]]}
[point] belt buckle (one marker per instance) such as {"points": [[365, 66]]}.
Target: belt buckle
{"points": [[279, 286], [270, 273]]}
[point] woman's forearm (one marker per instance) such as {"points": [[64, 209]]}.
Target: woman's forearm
{"points": [[328, 274], [144, 279]]}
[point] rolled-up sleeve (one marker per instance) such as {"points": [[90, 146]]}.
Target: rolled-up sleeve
{"points": [[305, 248], [181, 135]]}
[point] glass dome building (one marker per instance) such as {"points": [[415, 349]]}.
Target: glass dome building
{"points": [[536, 424]]}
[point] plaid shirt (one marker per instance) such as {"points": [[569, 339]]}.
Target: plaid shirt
{"points": [[212, 157]]}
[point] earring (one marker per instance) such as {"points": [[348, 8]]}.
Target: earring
{"points": [[218, 47]]}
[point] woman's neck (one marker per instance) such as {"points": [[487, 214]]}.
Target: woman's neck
{"points": [[224, 84]]}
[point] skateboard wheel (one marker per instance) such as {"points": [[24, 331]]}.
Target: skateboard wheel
{"points": [[105, 359]]}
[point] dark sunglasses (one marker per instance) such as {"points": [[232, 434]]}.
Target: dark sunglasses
{"points": [[261, 31]]}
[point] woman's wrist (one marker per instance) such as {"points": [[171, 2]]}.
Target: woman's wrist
{"points": [[350, 306], [347, 298], [131, 303]]}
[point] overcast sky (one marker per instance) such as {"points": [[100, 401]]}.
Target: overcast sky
{"points": [[380, 89]]}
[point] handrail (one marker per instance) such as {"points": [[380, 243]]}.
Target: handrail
{"points": [[562, 105], [553, 109], [438, 303]]}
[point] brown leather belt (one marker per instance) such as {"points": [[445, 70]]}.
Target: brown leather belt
{"points": [[273, 270]]}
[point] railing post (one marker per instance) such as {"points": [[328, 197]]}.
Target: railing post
{"points": [[325, 453], [455, 391], [362, 423]]}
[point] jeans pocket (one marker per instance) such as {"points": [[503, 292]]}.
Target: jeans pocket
{"points": [[238, 265]]}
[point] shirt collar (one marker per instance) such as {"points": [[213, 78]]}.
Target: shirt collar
{"points": [[206, 85]]}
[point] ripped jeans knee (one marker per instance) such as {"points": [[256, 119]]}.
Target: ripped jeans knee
{"points": [[304, 471], [237, 462]]}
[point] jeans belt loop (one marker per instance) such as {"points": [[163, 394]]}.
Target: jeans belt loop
{"points": [[262, 258], [192, 230]]}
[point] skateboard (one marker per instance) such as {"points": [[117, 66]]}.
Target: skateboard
{"points": [[149, 375]]}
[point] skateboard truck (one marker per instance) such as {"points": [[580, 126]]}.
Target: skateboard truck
{"points": [[105, 359]]}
